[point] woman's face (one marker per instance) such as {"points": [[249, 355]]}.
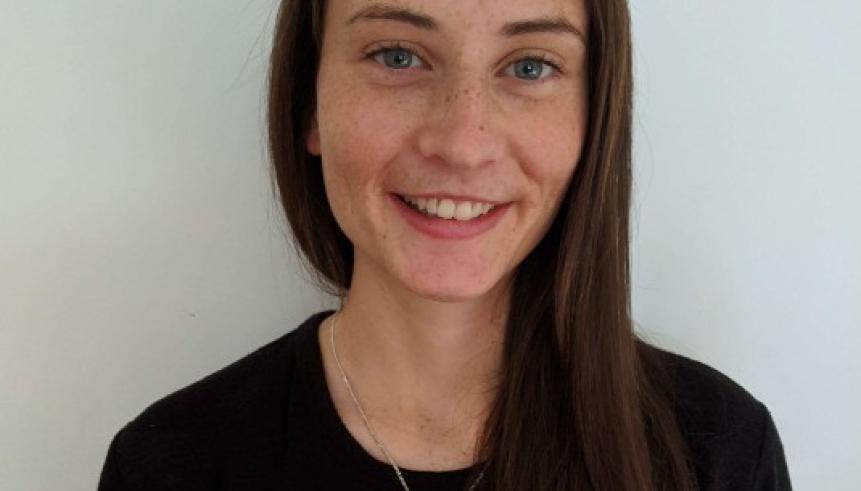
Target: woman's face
{"points": [[478, 101]]}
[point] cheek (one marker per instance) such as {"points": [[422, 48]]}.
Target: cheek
{"points": [[549, 147], [363, 128], [361, 135]]}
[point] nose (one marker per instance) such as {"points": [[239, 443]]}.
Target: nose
{"points": [[462, 128]]}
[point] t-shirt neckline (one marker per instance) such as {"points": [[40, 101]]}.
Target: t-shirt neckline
{"points": [[329, 419]]}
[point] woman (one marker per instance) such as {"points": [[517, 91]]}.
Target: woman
{"points": [[458, 174]]}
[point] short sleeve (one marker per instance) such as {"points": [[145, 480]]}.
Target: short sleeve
{"points": [[772, 473]]}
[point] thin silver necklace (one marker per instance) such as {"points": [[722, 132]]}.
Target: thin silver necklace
{"points": [[368, 423]]}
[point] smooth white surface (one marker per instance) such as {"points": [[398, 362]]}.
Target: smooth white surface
{"points": [[749, 237], [140, 247]]}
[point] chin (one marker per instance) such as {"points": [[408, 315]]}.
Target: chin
{"points": [[450, 290]]}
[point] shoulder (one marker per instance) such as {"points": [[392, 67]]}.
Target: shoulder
{"points": [[180, 438], [708, 392], [731, 434], [247, 380]]}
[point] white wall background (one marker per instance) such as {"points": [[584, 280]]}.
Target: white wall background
{"points": [[140, 247]]}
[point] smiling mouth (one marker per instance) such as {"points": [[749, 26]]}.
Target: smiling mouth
{"points": [[446, 208]]}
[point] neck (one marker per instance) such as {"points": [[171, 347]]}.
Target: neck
{"points": [[417, 359]]}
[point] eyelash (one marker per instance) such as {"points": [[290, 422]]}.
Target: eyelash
{"points": [[397, 46]]}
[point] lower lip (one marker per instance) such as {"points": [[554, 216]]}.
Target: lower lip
{"points": [[441, 228]]}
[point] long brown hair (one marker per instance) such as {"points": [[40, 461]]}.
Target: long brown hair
{"points": [[583, 403]]}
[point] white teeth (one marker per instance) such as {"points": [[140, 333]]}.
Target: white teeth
{"points": [[463, 210], [445, 208], [448, 209]]}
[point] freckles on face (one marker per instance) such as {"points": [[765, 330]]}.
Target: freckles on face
{"points": [[362, 137], [546, 141], [457, 117]]}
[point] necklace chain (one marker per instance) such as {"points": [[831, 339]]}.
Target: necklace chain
{"points": [[368, 423]]}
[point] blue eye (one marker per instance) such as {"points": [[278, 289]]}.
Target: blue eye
{"points": [[532, 68], [396, 58]]}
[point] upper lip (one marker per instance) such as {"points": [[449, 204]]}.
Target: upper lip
{"points": [[454, 197]]}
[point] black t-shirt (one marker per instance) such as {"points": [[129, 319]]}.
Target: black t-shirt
{"points": [[267, 422]]}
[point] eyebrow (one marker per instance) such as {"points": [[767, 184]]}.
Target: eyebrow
{"points": [[540, 25], [553, 25], [386, 12]]}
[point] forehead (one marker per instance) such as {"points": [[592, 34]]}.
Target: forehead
{"points": [[450, 17]]}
